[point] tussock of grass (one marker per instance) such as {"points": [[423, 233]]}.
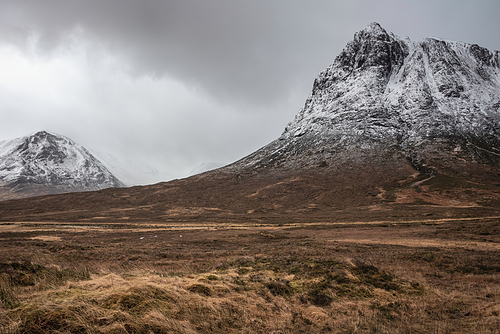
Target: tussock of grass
{"points": [[29, 274], [8, 297], [201, 289]]}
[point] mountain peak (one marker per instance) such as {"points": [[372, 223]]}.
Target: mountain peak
{"points": [[46, 139], [372, 48], [42, 133], [372, 29]]}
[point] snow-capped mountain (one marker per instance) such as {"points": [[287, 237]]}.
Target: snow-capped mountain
{"points": [[45, 163], [386, 100]]}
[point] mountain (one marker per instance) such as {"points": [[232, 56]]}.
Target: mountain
{"points": [[45, 163], [131, 173], [386, 101], [393, 129], [205, 167]]}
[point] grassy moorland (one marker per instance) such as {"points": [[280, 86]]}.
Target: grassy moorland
{"points": [[302, 253], [418, 276]]}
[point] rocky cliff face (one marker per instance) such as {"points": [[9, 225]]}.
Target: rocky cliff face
{"points": [[387, 102], [45, 163]]}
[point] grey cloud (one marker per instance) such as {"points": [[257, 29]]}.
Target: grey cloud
{"points": [[234, 49], [250, 50]]}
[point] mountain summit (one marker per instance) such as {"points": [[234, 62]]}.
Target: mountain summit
{"points": [[45, 163], [387, 101]]}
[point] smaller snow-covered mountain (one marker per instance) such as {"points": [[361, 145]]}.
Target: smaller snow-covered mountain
{"points": [[45, 163]]}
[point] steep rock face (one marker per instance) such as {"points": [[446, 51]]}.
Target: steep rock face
{"points": [[387, 102], [45, 163]]}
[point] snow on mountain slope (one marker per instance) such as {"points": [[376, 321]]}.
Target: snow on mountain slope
{"points": [[45, 163], [205, 167], [131, 173], [386, 99]]}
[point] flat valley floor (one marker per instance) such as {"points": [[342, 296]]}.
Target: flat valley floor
{"points": [[262, 276]]}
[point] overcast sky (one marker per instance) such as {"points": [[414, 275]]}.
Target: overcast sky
{"points": [[174, 84]]}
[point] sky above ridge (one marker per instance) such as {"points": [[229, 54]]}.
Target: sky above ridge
{"points": [[174, 84]]}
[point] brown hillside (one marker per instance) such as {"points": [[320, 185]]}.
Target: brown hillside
{"points": [[357, 194]]}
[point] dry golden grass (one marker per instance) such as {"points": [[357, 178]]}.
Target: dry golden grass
{"points": [[318, 278]]}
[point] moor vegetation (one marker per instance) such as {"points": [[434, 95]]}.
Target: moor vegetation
{"points": [[288, 253], [432, 276]]}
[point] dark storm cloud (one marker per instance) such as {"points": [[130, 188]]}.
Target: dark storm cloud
{"points": [[193, 81], [227, 47], [253, 50]]}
